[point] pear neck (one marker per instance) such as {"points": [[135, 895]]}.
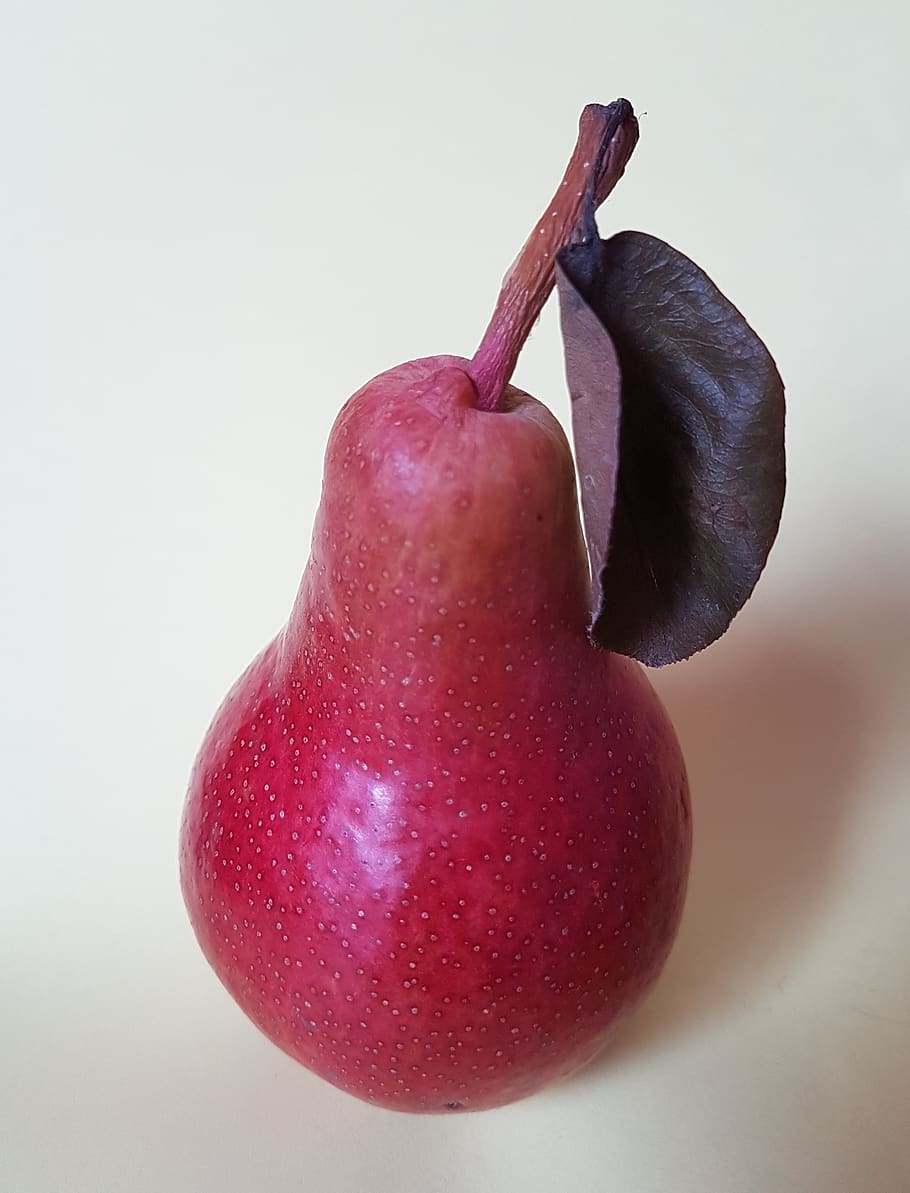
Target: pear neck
{"points": [[453, 634]]}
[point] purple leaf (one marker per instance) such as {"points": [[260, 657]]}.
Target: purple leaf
{"points": [[700, 480]]}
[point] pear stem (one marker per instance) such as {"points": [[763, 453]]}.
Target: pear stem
{"points": [[606, 137]]}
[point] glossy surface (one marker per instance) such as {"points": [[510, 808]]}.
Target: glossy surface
{"points": [[435, 844]]}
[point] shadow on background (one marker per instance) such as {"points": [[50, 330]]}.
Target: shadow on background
{"points": [[778, 724]]}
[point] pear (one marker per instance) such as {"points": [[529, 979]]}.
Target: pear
{"points": [[436, 843], [436, 840]]}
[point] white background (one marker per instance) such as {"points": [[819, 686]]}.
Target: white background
{"points": [[216, 221]]}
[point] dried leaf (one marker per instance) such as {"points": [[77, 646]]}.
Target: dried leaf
{"points": [[700, 481]]}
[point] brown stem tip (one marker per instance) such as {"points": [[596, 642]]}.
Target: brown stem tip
{"points": [[606, 137]]}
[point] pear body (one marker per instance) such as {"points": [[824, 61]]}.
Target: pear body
{"points": [[436, 844]]}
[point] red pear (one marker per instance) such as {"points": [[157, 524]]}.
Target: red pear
{"points": [[436, 841]]}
